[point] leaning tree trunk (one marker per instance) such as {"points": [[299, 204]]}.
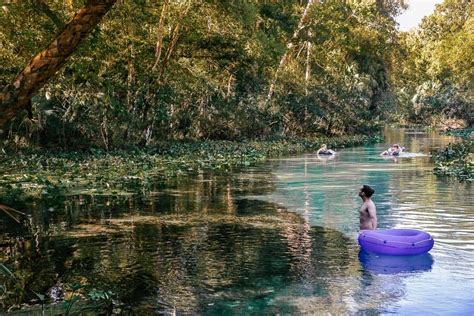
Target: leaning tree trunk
{"points": [[15, 97]]}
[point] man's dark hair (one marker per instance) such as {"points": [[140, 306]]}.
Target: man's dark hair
{"points": [[368, 191]]}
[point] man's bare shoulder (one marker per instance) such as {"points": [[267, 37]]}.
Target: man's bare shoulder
{"points": [[371, 205]]}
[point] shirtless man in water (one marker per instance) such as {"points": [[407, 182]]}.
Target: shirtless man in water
{"points": [[368, 212]]}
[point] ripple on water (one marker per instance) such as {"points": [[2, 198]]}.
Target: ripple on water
{"points": [[278, 238], [407, 195]]}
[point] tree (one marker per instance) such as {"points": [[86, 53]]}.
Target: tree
{"points": [[434, 72], [16, 97], [160, 70]]}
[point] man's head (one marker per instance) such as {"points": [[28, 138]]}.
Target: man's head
{"points": [[396, 146], [366, 191], [324, 146]]}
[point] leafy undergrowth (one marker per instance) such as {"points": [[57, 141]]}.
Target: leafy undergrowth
{"points": [[457, 160], [464, 133], [49, 176]]}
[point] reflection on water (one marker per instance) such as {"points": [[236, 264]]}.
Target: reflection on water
{"points": [[279, 238], [407, 195], [384, 264]]}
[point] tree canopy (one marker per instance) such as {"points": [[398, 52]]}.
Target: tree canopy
{"points": [[434, 71], [153, 70]]}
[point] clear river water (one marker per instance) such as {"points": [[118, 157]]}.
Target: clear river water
{"points": [[277, 238]]}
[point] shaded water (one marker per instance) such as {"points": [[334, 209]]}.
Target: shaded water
{"points": [[278, 238]]}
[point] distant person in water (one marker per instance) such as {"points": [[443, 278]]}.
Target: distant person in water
{"points": [[395, 150], [367, 212], [325, 151]]}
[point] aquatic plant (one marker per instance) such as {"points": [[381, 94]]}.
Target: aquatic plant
{"points": [[456, 160], [464, 132], [14, 291], [91, 299], [71, 298], [46, 177]]}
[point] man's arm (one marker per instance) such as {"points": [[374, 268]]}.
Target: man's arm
{"points": [[373, 214]]}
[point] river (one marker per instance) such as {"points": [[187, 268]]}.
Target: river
{"points": [[276, 238]]}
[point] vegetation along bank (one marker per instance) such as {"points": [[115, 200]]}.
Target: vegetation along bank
{"points": [[457, 160], [46, 175]]}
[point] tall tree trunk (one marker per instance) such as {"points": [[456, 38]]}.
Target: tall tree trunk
{"points": [[175, 34], [308, 66], [15, 97], [289, 49], [159, 40], [130, 95], [169, 50]]}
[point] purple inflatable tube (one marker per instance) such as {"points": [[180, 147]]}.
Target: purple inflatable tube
{"points": [[396, 242]]}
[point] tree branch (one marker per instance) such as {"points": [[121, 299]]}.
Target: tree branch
{"points": [[41, 6], [14, 98]]}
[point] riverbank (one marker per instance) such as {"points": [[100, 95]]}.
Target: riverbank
{"points": [[48, 175], [457, 160]]}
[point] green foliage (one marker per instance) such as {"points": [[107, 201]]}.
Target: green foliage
{"points": [[14, 291], [464, 133], [345, 62], [208, 76], [456, 160], [434, 70], [46, 177]]}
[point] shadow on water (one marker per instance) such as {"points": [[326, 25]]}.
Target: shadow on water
{"points": [[384, 264], [193, 246], [236, 265]]}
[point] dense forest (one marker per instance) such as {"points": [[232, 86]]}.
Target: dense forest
{"points": [[159, 70]]}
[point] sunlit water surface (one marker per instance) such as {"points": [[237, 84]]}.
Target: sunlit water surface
{"points": [[279, 238]]}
